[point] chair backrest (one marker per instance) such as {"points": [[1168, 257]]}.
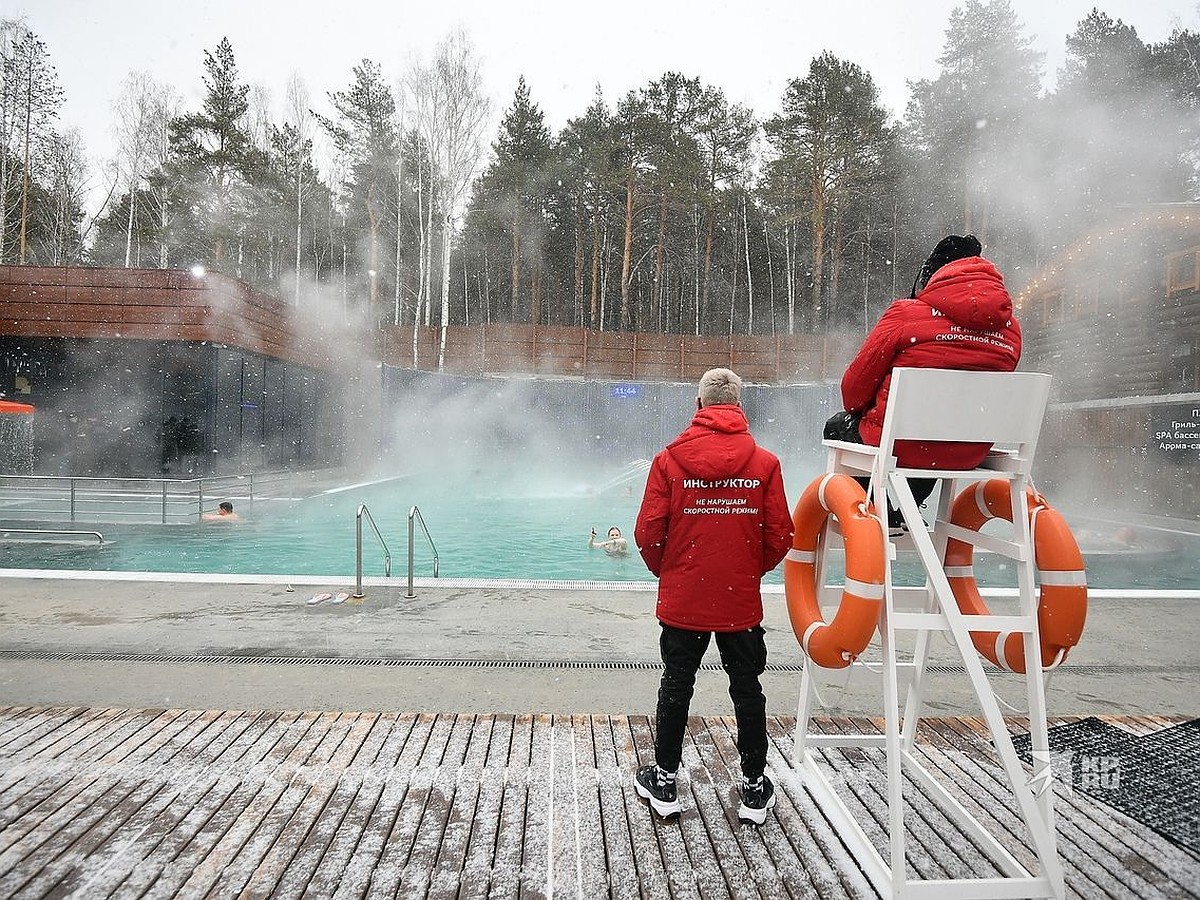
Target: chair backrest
{"points": [[1003, 408]]}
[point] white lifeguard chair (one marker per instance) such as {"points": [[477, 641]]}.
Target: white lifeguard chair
{"points": [[1005, 409]]}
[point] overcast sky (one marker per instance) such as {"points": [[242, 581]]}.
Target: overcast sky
{"points": [[564, 49]]}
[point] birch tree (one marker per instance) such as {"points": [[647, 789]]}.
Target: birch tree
{"points": [[64, 186], [451, 112], [141, 115]]}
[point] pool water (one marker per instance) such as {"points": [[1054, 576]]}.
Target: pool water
{"points": [[485, 526]]}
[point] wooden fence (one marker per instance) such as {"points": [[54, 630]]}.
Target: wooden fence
{"points": [[619, 355]]}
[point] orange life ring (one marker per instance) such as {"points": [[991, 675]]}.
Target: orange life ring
{"points": [[834, 645], [1062, 599]]}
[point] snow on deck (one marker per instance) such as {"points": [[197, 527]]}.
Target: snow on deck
{"points": [[165, 803]]}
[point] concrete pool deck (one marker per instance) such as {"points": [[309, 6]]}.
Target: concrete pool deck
{"points": [[151, 641]]}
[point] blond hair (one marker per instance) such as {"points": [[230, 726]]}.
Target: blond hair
{"points": [[720, 386]]}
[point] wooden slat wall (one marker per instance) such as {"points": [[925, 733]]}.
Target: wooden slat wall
{"points": [[620, 355], [154, 304]]}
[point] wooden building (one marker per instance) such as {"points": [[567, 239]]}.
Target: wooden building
{"points": [[151, 371], [1116, 319]]}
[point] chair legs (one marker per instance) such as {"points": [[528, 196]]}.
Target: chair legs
{"points": [[939, 612]]}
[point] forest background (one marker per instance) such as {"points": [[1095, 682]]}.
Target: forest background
{"points": [[670, 209]]}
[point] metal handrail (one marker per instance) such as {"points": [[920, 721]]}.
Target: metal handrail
{"points": [[116, 499], [414, 514], [97, 535], [387, 554]]}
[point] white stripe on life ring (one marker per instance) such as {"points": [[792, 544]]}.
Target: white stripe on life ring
{"points": [[802, 556], [808, 632], [960, 571], [864, 589], [1001, 639], [821, 491], [1073, 578], [980, 502]]}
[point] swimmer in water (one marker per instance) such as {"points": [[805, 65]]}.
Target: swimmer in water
{"points": [[615, 545], [224, 513]]}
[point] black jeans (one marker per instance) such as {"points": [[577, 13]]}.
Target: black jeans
{"points": [[843, 426], [744, 658]]}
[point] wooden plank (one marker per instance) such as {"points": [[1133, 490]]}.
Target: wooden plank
{"points": [[367, 859], [505, 879], [207, 847], [398, 840], [433, 827], [133, 864], [342, 863], [594, 873], [231, 860], [951, 849], [320, 805], [447, 875], [712, 790], [809, 834], [683, 875], [536, 868], [479, 861], [775, 871], [295, 816], [969, 739], [632, 817], [1115, 842], [87, 797], [326, 822], [116, 818], [58, 785], [31, 725]]}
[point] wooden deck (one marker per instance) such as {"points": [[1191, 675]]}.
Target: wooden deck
{"points": [[194, 803]]}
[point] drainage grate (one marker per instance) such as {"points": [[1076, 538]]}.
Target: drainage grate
{"points": [[390, 662]]}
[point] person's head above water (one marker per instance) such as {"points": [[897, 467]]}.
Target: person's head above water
{"points": [[225, 507], [719, 386], [614, 532]]}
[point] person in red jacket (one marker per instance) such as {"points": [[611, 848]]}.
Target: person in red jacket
{"points": [[714, 520], [959, 316]]}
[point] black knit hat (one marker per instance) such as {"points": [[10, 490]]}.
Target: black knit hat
{"points": [[948, 249]]}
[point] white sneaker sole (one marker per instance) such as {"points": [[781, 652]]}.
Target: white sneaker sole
{"points": [[664, 809], [756, 816]]}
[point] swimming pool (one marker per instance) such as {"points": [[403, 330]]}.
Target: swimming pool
{"points": [[488, 525]]}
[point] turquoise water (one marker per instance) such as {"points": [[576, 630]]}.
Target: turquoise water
{"points": [[485, 526]]}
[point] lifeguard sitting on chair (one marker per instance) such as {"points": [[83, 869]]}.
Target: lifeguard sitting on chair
{"points": [[958, 316]]}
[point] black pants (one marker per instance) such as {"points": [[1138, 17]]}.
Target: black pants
{"points": [[843, 426], [744, 658]]}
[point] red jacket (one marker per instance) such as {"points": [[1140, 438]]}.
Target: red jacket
{"points": [[962, 319], [714, 520]]}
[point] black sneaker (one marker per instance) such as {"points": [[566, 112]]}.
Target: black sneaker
{"points": [[657, 786], [758, 796]]}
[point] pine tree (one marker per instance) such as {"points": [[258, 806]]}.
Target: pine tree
{"points": [[213, 155], [365, 133], [30, 97], [831, 140], [971, 124], [1120, 130]]}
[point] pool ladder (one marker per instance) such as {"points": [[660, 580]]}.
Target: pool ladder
{"points": [[414, 516]]}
